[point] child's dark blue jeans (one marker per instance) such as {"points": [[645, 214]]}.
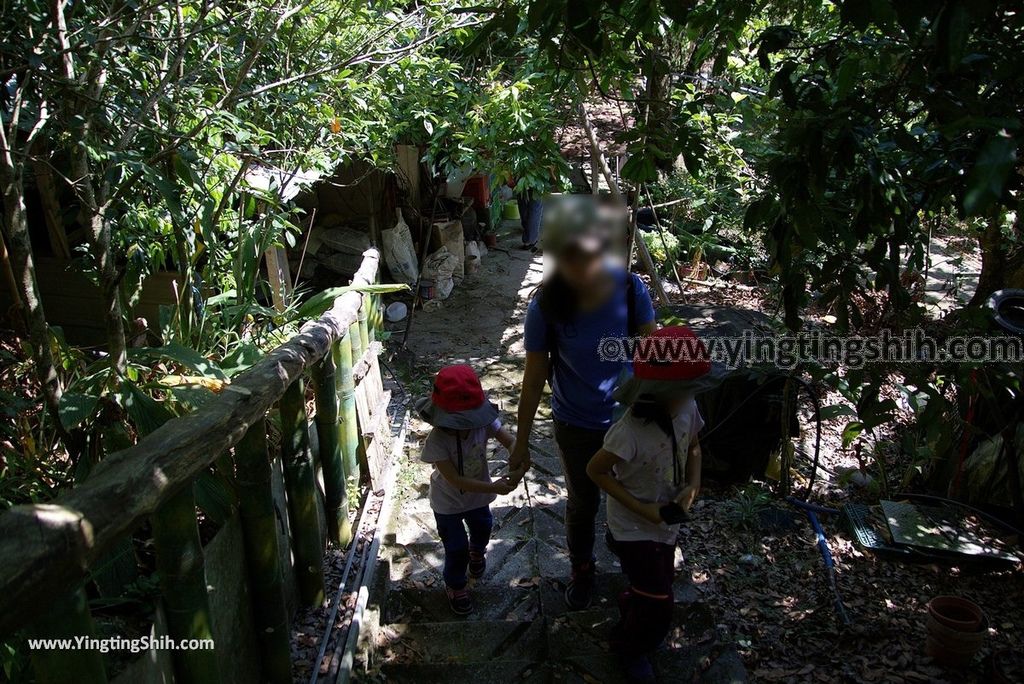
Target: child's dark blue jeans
{"points": [[457, 544]]}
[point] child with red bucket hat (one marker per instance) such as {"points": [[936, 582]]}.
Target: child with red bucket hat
{"points": [[461, 489], [650, 468]]}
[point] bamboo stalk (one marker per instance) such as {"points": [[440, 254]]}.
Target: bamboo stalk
{"points": [[347, 401], [356, 340], [180, 564], [300, 483], [377, 311], [339, 529], [68, 618], [262, 553], [364, 327]]}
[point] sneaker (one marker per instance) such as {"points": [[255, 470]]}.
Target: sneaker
{"points": [[477, 564], [580, 591], [460, 601], [638, 670]]}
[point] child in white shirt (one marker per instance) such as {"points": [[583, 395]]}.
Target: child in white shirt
{"points": [[650, 467]]}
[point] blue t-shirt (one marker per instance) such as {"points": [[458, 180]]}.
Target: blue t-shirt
{"points": [[583, 383]]}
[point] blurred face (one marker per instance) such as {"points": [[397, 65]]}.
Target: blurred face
{"points": [[581, 269], [676, 404]]}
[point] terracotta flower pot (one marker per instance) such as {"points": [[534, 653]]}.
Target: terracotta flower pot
{"points": [[490, 240], [956, 613], [956, 630]]}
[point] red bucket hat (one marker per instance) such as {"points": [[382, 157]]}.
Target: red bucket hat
{"points": [[458, 401], [670, 362]]}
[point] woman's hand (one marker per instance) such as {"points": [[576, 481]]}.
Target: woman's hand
{"points": [[687, 496], [519, 456], [516, 474]]}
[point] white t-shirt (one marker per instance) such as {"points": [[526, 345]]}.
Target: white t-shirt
{"points": [[440, 446], [646, 470]]}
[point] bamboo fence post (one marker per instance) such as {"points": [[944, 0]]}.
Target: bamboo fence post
{"points": [[300, 483], [262, 553], [325, 376], [69, 617], [373, 303], [347, 400], [180, 563], [364, 328], [357, 342]]}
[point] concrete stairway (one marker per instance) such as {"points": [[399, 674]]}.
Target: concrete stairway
{"points": [[521, 630]]}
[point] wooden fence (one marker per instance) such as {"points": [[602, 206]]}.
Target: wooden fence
{"points": [[47, 550]]}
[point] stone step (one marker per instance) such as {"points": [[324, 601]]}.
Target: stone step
{"points": [[420, 603], [521, 672], [461, 642], [603, 668], [574, 644]]}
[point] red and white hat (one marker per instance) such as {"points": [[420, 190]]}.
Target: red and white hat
{"points": [[458, 401], [672, 361]]}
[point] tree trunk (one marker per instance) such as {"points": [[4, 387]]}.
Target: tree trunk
{"points": [[641, 247], [657, 110], [15, 234], [79, 106], [1002, 260]]}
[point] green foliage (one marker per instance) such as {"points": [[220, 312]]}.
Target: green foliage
{"points": [[887, 116], [744, 511], [664, 248]]}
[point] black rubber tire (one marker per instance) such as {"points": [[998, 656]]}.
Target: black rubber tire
{"points": [[1007, 307]]}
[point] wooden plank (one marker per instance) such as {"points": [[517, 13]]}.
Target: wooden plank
{"points": [[408, 158], [73, 302], [280, 277], [50, 201], [375, 434], [45, 548]]}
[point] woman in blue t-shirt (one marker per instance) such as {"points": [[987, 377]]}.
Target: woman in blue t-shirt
{"points": [[584, 300]]}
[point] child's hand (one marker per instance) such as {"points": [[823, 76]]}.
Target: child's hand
{"points": [[651, 511], [504, 485], [687, 496]]}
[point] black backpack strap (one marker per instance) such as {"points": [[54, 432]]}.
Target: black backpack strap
{"points": [[552, 339], [631, 327], [458, 450], [677, 470]]}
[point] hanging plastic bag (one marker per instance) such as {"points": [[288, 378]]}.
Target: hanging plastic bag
{"points": [[400, 253]]}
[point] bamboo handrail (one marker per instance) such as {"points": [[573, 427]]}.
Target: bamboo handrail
{"points": [[45, 549]]}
